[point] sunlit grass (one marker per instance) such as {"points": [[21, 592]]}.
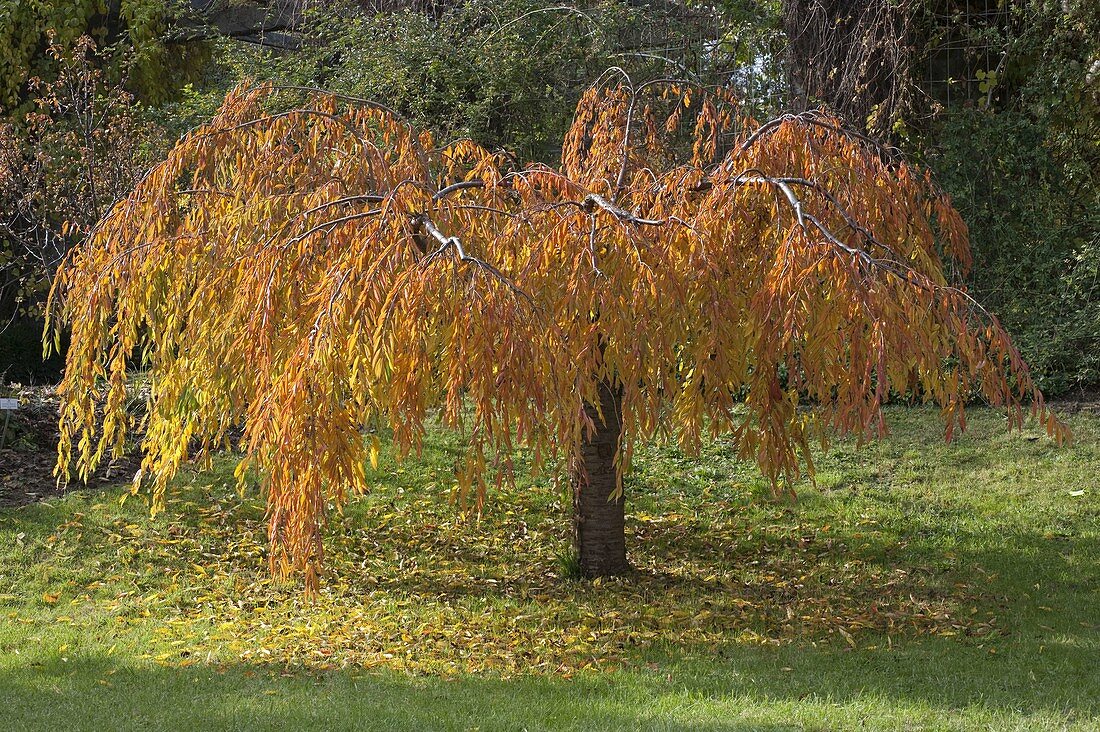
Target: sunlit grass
{"points": [[918, 585]]}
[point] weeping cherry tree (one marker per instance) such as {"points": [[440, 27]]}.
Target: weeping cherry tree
{"points": [[321, 273]]}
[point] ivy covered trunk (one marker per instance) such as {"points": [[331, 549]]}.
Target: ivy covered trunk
{"points": [[598, 518]]}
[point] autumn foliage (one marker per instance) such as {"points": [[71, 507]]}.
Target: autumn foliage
{"points": [[321, 273]]}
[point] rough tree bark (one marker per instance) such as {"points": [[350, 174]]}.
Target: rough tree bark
{"points": [[856, 56], [599, 519]]}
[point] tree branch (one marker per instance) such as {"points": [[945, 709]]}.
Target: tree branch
{"points": [[453, 243], [594, 201]]}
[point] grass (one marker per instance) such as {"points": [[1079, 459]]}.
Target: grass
{"points": [[918, 586]]}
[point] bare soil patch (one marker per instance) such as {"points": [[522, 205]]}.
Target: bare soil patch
{"points": [[29, 454]]}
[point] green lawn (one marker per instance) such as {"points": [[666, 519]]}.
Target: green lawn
{"points": [[918, 586]]}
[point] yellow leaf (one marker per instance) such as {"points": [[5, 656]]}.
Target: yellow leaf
{"points": [[375, 448]]}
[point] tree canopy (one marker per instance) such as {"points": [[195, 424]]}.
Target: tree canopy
{"points": [[326, 270]]}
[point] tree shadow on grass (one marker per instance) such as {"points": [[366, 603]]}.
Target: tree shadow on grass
{"points": [[922, 685]]}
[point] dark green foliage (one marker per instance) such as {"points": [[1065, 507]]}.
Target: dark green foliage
{"points": [[1001, 99], [1024, 167], [506, 74], [1033, 228], [21, 355]]}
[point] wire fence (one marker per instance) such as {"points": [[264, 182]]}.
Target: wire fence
{"points": [[965, 53], [957, 55]]}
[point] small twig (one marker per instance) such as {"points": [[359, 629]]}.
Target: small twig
{"points": [[810, 118], [461, 185], [592, 249], [332, 224], [556, 8], [343, 97]]}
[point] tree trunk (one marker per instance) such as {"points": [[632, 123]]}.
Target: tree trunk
{"points": [[600, 536]]}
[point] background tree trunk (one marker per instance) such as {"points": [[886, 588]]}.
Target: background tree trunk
{"points": [[856, 56], [599, 521]]}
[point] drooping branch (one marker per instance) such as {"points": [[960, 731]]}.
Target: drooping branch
{"points": [[593, 202]]}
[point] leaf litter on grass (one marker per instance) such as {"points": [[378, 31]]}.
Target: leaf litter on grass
{"points": [[413, 586]]}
